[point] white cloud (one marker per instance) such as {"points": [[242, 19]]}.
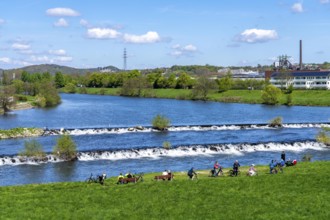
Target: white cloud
{"points": [[20, 46], [189, 47], [324, 1], [2, 21], [5, 60], [102, 33], [297, 8], [149, 37], [62, 12], [63, 59], [40, 59], [257, 36], [59, 52], [187, 50], [84, 23], [61, 23]]}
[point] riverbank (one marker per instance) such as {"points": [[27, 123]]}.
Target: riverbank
{"points": [[298, 97], [21, 133], [300, 192]]}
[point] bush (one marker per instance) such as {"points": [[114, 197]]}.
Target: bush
{"points": [[70, 88], [276, 122], [167, 145], [160, 122], [289, 100], [32, 149], [271, 95], [65, 148], [40, 101], [83, 90], [323, 137], [307, 158]]}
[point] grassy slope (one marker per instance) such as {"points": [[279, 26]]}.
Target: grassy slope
{"points": [[299, 97], [301, 192]]}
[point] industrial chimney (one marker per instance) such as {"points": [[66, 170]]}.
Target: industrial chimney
{"points": [[300, 55]]}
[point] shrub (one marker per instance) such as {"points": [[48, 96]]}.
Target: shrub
{"points": [[276, 122], [271, 95], [289, 100], [160, 122], [70, 88], [307, 158], [167, 145], [32, 149], [83, 90], [40, 101], [323, 137], [65, 148]]}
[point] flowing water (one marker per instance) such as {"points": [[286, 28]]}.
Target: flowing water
{"points": [[114, 134]]}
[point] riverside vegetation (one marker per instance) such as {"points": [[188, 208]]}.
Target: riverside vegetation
{"points": [[300, 192]]}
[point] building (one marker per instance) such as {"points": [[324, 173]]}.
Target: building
{"points": [[300, 79]]}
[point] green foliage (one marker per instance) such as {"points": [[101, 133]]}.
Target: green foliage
{"points": [[260, 197], [324, 136], [7, 99], [49, 92], [225, 83], [276, 122], [167, 145], [160, 122], [32, 149], [65, 148], [40, 101], [271, 95], [202, 87], [184, 81], [135, 86], [289, 99], [82, 90], [307, 158], [59, 80], [70, 88], [20, 132]]}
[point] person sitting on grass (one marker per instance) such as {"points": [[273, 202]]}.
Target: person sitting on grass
{"points": [[252, 171], [102, 178], [280, 165], [128, 175], [191, 173], [272, 167], [120, 179]]}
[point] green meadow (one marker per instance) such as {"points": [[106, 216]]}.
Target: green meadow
{"points": [[298, 97], [300, 192]]}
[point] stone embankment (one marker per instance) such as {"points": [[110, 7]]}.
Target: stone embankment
{"points": [[21, 133]]}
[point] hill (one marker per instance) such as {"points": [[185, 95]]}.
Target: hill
{"points": [[53, 68], [300, 192]]}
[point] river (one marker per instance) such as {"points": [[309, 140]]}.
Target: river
{"points": [[200, 133]]}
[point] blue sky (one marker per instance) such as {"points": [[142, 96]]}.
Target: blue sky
{"points": [[94, 33]]}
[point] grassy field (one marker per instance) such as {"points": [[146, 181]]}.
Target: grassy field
{"points": [[299, 97], [301, 192]]}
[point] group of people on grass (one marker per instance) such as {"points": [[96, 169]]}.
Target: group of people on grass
{"points": [[275, 166]]}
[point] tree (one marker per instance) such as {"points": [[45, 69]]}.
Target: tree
{"points": [[271, 95], [49, 92], [7, 99], [225, 83], [65, 148], [32, 149], [184, 81], [70, 88], [202, 87], [59, 80], [160, 122], [134, 86], [276, 122]]}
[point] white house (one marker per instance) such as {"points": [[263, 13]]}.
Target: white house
{"points": [[302, 79]]}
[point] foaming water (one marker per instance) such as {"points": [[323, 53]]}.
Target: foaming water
{"points": [[175, 152]]}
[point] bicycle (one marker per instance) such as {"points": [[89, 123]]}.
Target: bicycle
{"points": [[98, 179], [232, 173]]}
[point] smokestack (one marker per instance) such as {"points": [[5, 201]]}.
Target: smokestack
{"points": [[300, 55]]}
